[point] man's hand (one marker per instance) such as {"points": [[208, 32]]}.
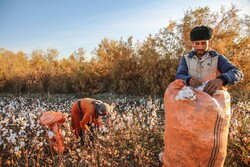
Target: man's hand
{"points": [[194, 82], [213, 85]]}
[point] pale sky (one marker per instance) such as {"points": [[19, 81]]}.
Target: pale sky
{"points": [[66, 25]]}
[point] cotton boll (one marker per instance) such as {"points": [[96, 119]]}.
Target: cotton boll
{"points": [[154, 114], [104, 129], [186, 93], [63, 133], [32, 126], [40, 144], [78, 150], [1, 141], [12, 138], [160, 156], [4, 132], [50, 134], [22, 144], [21, 132], [16, 149], [202, 86]]}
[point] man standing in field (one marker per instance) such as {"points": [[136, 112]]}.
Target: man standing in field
{"points": [[85, 112], [203, 63], [197, 121]]}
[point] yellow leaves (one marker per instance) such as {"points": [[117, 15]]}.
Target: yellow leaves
{"points": [[121, 66], [171, 26]]}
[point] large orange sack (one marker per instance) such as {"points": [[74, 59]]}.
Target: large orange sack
{"points": [[54, 120], [196, 130]]}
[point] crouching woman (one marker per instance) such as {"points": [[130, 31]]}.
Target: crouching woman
{"points": [[85, 112]]}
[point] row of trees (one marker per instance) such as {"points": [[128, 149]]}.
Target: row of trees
{"points": [[123, 67]]}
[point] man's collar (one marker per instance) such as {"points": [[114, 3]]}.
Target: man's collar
{"points": [[211, 53]]}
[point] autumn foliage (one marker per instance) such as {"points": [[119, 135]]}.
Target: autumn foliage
{"points": [[124, 67]]}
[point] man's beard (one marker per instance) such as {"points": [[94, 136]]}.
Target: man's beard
{"points": [[200, 52]]}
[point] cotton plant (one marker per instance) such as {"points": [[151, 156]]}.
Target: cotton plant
{"points": [[132, 133], [240, 117], [138, 116], [17, 126]]}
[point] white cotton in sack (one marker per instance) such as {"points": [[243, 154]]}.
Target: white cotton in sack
{"points": [[187, 93], [202, 86]]}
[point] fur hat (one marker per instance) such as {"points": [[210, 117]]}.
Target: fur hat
{"points": [[201, 33]]}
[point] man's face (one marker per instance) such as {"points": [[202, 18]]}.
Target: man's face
{"points": [[201, 47]]}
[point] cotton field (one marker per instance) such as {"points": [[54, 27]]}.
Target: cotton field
{"points": [[131, 135]]}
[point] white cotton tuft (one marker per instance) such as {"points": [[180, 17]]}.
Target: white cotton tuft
{"points": [[22, 144], [16, 149], [160, 156], [202, 86], [63, 133], [50, 134], [186, 93]]}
